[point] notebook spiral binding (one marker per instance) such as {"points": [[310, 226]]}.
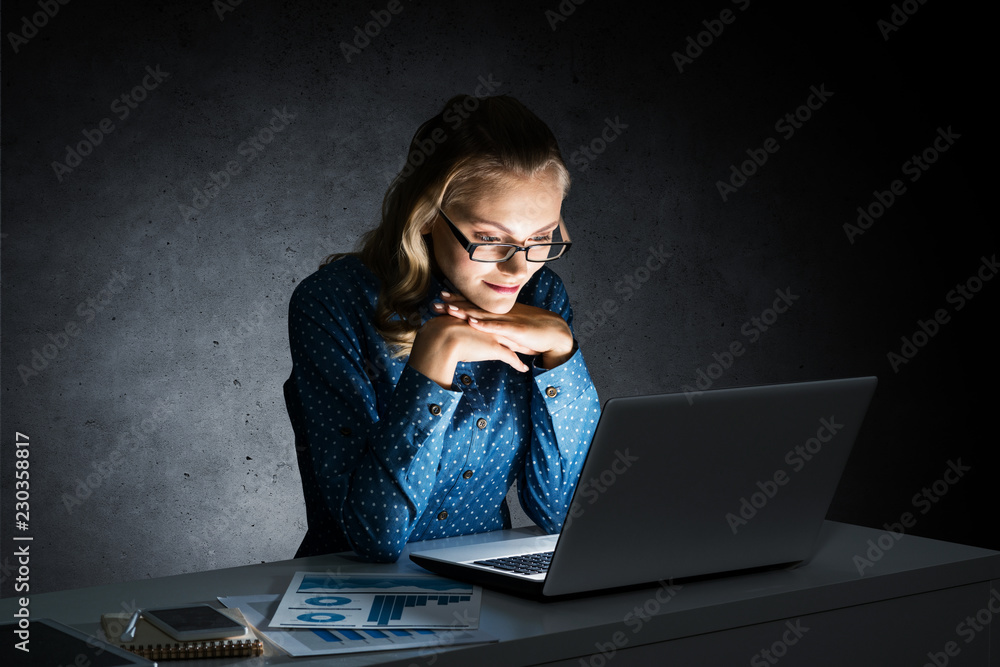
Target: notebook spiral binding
{"points": [[210, 649]]}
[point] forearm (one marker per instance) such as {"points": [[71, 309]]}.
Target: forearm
{"points": [[390, 486], [565, 411]]}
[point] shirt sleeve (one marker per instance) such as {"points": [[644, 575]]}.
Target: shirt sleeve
{"points": [[375, 465], [565, 409]]}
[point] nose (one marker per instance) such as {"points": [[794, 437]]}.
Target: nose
{"points": [[515, 266]]}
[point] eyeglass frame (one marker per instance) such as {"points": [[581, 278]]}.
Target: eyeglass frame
{"points": [[471, 247]]}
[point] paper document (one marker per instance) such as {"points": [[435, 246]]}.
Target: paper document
{"points": [[318, 641], [412, 601]]}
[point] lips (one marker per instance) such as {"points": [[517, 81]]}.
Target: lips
{"points": [[503, 289]]}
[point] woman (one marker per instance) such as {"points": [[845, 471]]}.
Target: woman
{"points": [[436, 366]]}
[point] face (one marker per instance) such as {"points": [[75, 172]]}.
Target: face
{"points": [[526, 213]]}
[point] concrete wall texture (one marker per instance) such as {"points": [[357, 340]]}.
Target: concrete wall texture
{"points": [[172, 171]]}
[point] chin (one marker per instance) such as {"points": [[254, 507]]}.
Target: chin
{"points": [[498, 306], [496, 303], [502, 309]]}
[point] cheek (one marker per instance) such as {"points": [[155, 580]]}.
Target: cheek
{"points": [[533, 268], [457, 266], [463, 266], [449, 259]]}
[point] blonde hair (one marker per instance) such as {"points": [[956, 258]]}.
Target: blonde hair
{"points": [[474, 145]]}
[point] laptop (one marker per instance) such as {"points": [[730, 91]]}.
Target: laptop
{"points": [[683, 485]]}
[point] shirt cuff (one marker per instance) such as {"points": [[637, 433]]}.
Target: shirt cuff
{"points": [[563, 385]]}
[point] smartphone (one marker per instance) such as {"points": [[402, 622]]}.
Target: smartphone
{"points": [[194, 622]]}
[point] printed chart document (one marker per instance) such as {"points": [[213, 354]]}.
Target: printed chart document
{"points": [[320, 641], [378, 601]]}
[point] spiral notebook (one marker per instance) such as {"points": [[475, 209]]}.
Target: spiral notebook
{"points": [[152, 643]]}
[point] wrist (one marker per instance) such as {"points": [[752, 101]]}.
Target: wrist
{"points": [[558, 356], [435, 356]]}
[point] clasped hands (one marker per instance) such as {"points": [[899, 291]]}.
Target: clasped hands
{"points": [[463, 332]]}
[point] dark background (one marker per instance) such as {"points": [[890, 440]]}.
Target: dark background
{"points": [[159, 442]]}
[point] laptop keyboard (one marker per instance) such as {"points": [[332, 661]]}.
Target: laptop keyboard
{"points": [[524, 564]]}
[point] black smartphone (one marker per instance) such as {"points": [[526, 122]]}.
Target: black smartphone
{"points": [[194, 622]]}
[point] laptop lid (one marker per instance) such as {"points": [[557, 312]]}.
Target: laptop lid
{"points": [[682, 485]]}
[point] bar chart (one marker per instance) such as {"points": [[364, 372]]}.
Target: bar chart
{"points": [[386, 608], [360, 602]]}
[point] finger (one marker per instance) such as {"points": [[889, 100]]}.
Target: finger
{"points": [[467, 309], [454, 311], [477, 313], [448, 309], [491, 325], [452, 296], [464, 306], [507, 355], [514, 346], [506, 333]]}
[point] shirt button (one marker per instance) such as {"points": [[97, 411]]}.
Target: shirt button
{"points": [[466, 380], [345, 431], [435, 409], [481, 423], [442, 515], [467, 474], [551, 392]]}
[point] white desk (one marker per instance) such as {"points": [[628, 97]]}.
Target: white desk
{"points": [[914, 600]]}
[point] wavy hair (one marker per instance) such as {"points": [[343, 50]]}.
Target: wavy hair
{"points": [[472, 147]]}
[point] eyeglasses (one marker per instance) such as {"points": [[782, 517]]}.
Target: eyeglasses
{"points": [[501, 252]]}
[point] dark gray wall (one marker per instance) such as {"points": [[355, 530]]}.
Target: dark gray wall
{"points": [[144, 324]]}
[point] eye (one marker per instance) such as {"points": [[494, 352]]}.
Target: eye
{"points": [[546, 238], [485, 238]]}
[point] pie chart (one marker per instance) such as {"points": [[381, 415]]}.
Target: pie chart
{"points": [[327, 601]]}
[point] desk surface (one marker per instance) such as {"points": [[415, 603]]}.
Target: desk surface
{"points": [[532, 632]]}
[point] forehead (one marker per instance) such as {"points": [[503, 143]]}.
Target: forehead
{"points": [[518, 203]]}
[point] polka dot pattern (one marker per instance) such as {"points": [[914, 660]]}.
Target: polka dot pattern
{"points": [[389, 456]]}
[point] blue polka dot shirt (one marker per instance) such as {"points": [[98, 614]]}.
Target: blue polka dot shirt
{"points": [[388, 456]]}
